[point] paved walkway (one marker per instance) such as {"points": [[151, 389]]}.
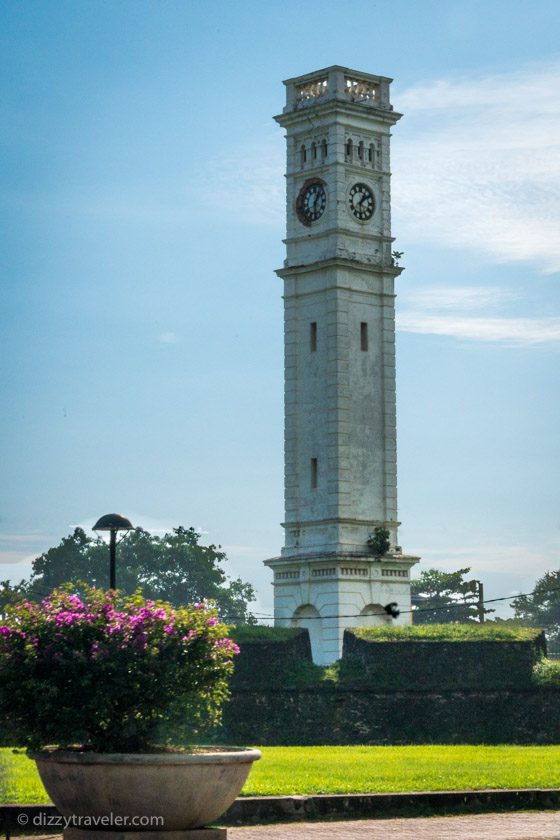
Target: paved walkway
{"points": [[524, 825]]}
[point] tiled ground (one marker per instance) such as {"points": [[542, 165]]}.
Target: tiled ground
{"points": [[518, 826], [527, 825]]}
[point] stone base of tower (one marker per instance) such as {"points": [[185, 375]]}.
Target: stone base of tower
{"points": [[326, 593]]}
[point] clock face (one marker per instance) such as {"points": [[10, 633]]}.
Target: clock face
{"points": [[311, 202], [361, 202]]}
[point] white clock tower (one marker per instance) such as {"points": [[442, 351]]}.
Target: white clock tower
{"points": [[340, 425]]}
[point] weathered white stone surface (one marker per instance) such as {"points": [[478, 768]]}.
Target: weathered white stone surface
{"points": [[340, 414]]}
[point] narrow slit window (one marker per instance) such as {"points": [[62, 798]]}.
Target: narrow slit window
{"points": [[349, 150], [324, 150], [363, 336], [314, 151], [314, 473], [313, 336], [303, 155], [361, 150]]}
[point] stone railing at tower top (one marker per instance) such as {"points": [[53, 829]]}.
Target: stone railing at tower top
{"points": [[338, 83]]}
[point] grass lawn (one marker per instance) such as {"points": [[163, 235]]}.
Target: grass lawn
{"points": [[289, 770], [300, 770]]}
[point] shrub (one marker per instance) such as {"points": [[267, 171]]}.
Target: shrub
{"points": [[104, 671], [379, 542], [547, 672]]}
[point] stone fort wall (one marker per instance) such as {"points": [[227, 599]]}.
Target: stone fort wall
{"points": [[392, 693]]}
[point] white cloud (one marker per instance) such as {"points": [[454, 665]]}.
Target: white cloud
{"points": [[446, 310], [480, 166], [29, 538], [511, 559], [509, 331], [19, 550], [505, 90], [458, 297], [248, 183], [12, 558], [138, 520], [169, 337]]}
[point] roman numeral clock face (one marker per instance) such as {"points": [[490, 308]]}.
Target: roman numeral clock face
{"points": [[311, 202], [361, 202]]}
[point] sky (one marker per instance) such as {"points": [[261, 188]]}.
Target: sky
{"points": [[142, 204]]}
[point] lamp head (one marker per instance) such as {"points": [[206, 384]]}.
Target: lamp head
{"points": [[113, 522]]}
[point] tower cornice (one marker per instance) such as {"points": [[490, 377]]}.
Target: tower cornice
{"points": [[336, 106], [307, 558], [340, 262]]}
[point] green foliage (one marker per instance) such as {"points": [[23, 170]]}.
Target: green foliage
{"points": [[107, 670], [10, 594], [488, 632], [547, 672], [175, 568], [248, 633], [379, 541], [542, 608], [444, 597]]}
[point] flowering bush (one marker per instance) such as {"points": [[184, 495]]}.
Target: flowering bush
{"points": [[110, 673]]}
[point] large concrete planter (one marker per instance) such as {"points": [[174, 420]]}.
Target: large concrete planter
{"points": [[186, 790]]}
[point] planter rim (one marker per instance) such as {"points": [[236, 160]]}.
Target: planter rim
{"points": [[218, 755]]}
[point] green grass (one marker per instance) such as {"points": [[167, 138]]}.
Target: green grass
{"points": [[301, 770], [19, 780], [293, 770], [490, 632], [447, 633]]}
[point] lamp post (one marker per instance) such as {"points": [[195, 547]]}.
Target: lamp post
{"points": [[113, 522]]}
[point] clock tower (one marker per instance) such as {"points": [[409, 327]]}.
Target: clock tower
{"points": [[340, 424]]}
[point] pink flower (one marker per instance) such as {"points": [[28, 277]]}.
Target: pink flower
{"points": [[227, 645]]}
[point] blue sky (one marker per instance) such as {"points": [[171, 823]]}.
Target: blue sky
{"points": [[142, 220]]}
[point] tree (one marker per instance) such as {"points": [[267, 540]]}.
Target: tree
{"points": [[174, 568], [443, 597], [542, 607], [10, 594]]}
